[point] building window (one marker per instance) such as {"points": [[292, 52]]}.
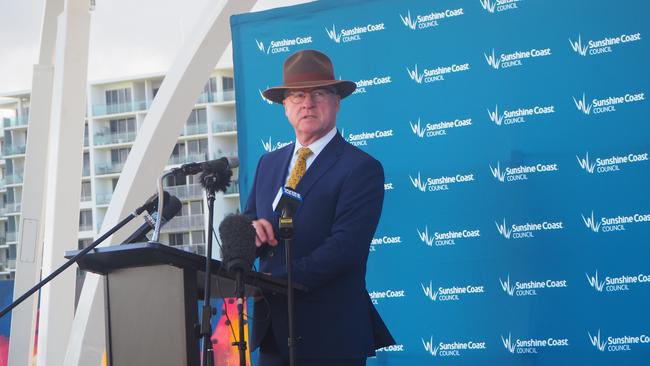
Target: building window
{"points": [[122, 126], [228, 83], [179, 239], [198, 237], [175, 180], [198, 148], [86, 194], [210, 86], [83, 243], [117, 100], [118, 156], [85, 220], [197, 117]]}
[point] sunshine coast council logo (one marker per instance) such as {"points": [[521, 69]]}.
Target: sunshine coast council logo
{"points": [[392, 348], [452, 293], [365, 137], [442, 183], [371, 82], [439, 128], [429, 20], [522, 172], [283, 45], [532, 345], [498, 6], [617, 344], [269, 146], [613, 224], [435, 74], [377, 296], [530, 288], [452, 348], [385, 241], [354, 33], [618, 283], [446, 238], [514, 59], [518, 115], [606, 105], [609, 164], [602, 46], [527, 230]]}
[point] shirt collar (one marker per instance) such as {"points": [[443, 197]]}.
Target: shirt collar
{"points": [[317, 146]]}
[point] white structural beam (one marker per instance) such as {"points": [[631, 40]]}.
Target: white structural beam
{"points": [[64, 179], [28, 259], [173, 103]]}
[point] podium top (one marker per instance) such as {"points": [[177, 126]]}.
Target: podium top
{"points": [[107, 259]]}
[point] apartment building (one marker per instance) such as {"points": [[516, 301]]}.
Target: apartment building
{"points": [[115, 113]]}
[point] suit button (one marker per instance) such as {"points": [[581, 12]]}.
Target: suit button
{"points": [[271, 253]]}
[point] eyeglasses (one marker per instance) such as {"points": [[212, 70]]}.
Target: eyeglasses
{"points": [[317, 95]]}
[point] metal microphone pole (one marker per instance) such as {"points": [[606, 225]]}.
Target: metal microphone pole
{"points": [[286, 233], [206, 311]]}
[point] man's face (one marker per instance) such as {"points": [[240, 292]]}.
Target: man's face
{"points": [[311, 112]]}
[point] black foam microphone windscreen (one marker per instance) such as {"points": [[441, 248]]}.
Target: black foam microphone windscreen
{"points": [[216, 174], [237, 242]]}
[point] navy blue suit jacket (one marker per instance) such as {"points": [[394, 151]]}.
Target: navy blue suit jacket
{"points": [[342, 192]]}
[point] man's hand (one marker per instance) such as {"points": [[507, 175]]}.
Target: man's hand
{"points": [[264, 233]]}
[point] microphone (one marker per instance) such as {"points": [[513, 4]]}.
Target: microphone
{"points": [[288, 199], [195, 168], [216, 174], [238, 243], [151, 204], [170, 209]]}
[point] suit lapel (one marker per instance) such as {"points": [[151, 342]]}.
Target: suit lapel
{"points": [[280, 176], [324, 161]]}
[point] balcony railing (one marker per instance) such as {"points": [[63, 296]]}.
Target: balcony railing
{"points": [[220, 126], [220, 96], [11, 236], [86, 197], [11, 263], [205, 97], [226, 95], [190, 222], [86, 227], [109, 168], [188, 192], [195, 129], [104, 199], [17, 122], [13, 207], [107, 137], [14, 149], [3, 240], [103, 109], [85, 171], [16, 178], [182, 159]]}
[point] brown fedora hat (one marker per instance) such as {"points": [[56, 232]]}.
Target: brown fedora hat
{"points": [[308, 69]]}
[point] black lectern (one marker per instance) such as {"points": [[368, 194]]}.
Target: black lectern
{"points": [[151, 293]]}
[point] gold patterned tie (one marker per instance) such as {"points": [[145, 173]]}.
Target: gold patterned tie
{"points": [[300, 167]]}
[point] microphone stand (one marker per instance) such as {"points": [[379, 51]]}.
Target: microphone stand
{"points": [[286, 233], [241, 345], [71, 261], [207, 311]]}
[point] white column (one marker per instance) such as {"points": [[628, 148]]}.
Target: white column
{"points": [[28, 261], [64, 179], [151, 149]]}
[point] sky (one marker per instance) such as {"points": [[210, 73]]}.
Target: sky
{"points": [[127, 37]]}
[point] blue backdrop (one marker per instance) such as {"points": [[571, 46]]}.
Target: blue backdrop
{"points": [[515, 139]]}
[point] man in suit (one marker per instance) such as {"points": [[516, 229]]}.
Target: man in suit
{"points": [[342, 189]]}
